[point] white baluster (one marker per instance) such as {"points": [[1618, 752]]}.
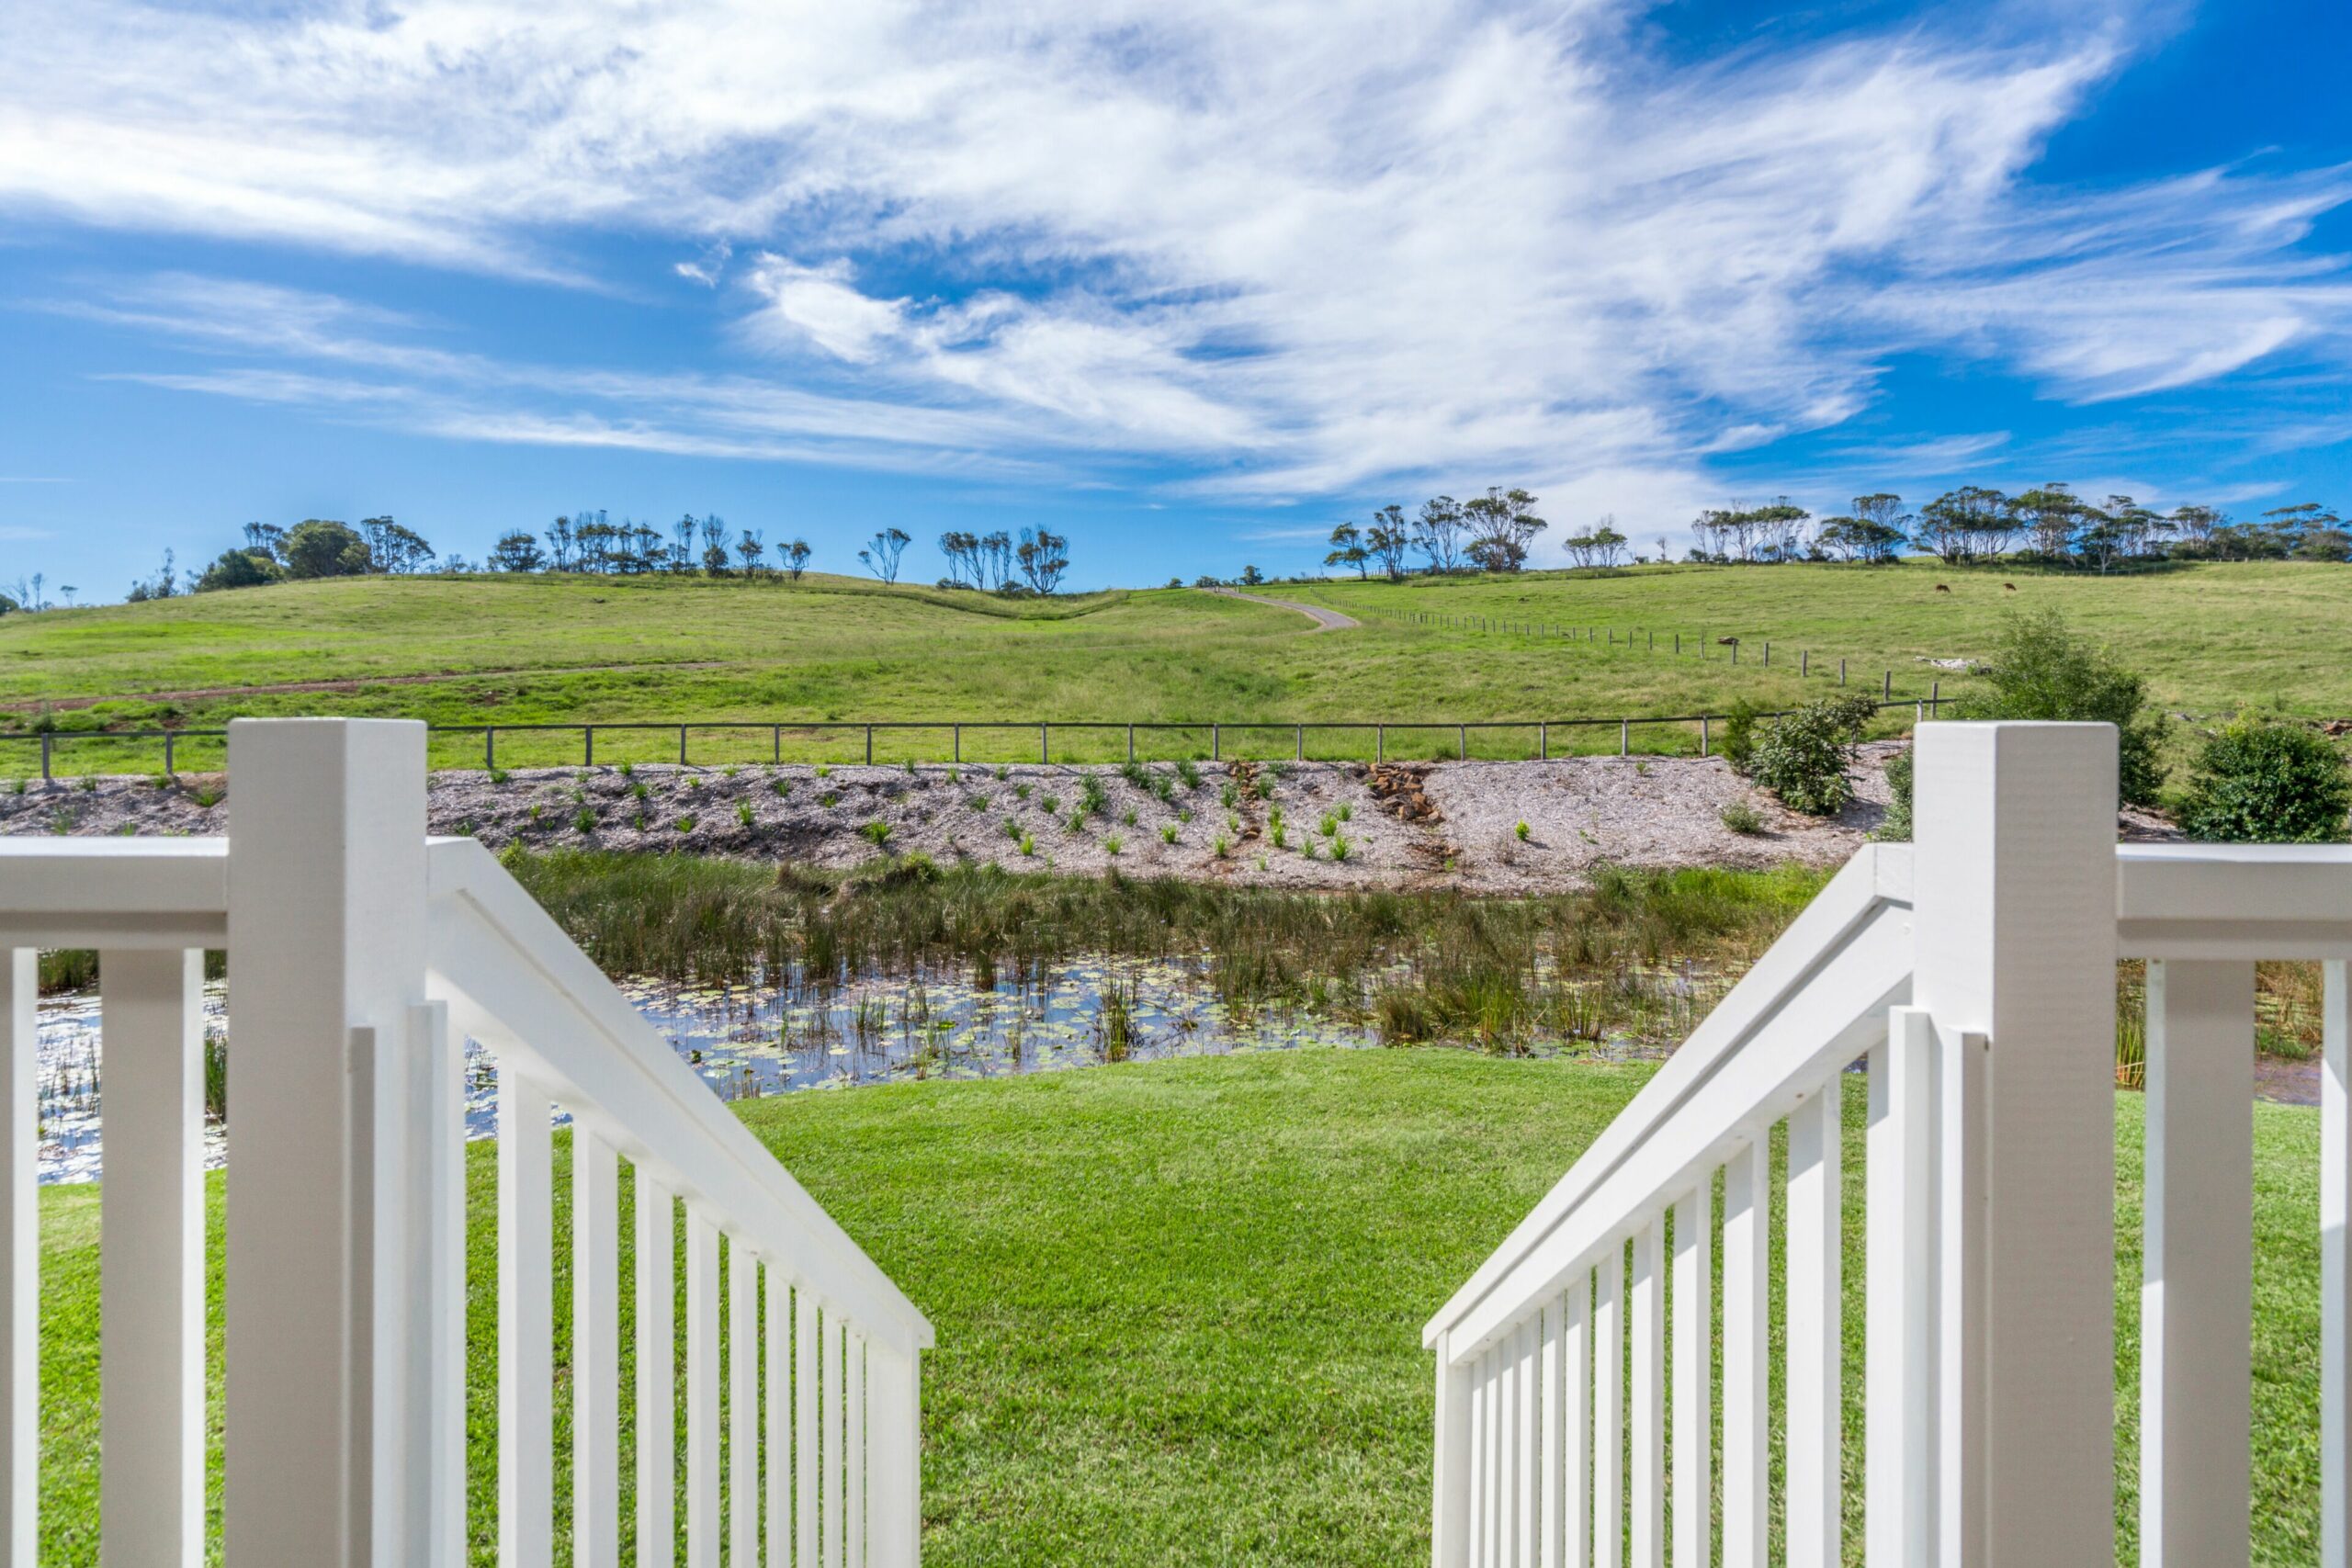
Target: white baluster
{"points": [[1814, 1410], [439, 1087], [1899, 1356], [1450, 1478], [1551, 1459], [1481, 1462], [702, 1388], [1648, 1394], [1529, 1449], [855, 1450], [2336, 1269], [1747, 1273], [742, 1403], [1694, 1374], [777, 1307], [525, 1325], [20, 1243], [595, 1349], [1609, 1409], [1507, 1452], [2196, 1294], [151, 1298], [805, 1471], [657, 1359], [1576, 1513], [835, 1441], [894, 1448]]}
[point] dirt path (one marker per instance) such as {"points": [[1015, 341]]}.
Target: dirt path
{"points": [[349, 683], [1325, 620]]}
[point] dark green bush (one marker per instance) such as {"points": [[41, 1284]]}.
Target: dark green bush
{"points": [[1895, 826], [1803, 757], [1739, 735], [2043, 670], [2260, 782]]}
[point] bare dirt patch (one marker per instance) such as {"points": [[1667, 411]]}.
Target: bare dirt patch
{"points": [[1303, 825]]}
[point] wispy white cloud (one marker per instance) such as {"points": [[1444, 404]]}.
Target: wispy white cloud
{"points": [[1285, 249]]}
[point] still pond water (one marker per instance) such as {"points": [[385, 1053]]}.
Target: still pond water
{"points": [[747, 1041]]}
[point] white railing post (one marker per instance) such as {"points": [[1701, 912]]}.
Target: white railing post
{"points": [[2335, 1268], [2197, 1266], [331, 1395], [20, 1256], [1450, 1500], [1899, 1263], [2015, 934]]}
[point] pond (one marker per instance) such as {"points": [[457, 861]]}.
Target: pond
{"points": [[752, 1040]]}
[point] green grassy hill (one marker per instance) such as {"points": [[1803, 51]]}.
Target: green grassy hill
{"points": [[522, 650]]}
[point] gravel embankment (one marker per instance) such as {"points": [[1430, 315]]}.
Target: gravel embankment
{"points": [[1413, 824]]}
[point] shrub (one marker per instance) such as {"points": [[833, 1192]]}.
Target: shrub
{"points": [[1895, 826], [1739, 735], [2041, 670], [2263, 783], [1803, 757], [1743, 818]]}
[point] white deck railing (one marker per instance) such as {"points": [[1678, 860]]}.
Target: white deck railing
{"points": [[1975, 973], [360, 957]]}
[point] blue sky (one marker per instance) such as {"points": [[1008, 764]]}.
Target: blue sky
{"points": [[1186, 281]]}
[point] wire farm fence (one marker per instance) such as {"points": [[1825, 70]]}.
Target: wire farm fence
{"points": [[65, 755], [1652, 639]]}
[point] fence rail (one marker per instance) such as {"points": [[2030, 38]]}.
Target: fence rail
{"points": [[1975, 975], [776, 731], [361, 955], [1645, 638]]}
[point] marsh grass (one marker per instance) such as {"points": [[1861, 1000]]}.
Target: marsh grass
{"points": [[1638, 954]]}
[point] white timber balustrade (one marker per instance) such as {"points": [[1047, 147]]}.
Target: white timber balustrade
{"points": [[361, 957], [1972, 978]]}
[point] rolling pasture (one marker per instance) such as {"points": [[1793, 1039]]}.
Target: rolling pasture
{"points": [[524, 650]]}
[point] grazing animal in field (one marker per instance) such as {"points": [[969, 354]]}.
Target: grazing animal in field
{"points": [[2008, 588], [1726, 642], [1943, 587]]}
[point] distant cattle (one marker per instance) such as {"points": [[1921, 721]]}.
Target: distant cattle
{"points": [[1943, 587], [2008, 588], [1726, 642]]}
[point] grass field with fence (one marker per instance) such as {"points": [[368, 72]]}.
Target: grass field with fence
{"points": [[516, 669]]}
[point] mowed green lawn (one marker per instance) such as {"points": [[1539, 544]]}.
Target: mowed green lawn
{"points": [[567, 650], [1178, 1303]]}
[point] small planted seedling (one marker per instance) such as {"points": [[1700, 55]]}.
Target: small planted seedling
{"points": [[207, 798], [1020, 791], [830, 799], [627, 768], [685, 824], [1091, 796], [1053, 804], [728, 773], [1338, 846], [1028, 845], [1168, 834], [1228, 795], [1743, 818], [499, 775], [1012, 829], [824, 771], [1127, 817], [1520, 832], [743, 812], [1189, 773], [1132, 772], [1002, 772], [976, 803], [1184, 814], [1329, 825], [1113, 845], [640, 821], [1224, 846], [536, 809], [1078, 821], [876, 833], [1163, 785], [782, 788], [585, 820], [1347, 813], [637, 790]]}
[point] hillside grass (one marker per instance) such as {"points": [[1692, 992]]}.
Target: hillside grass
{"points": [[2212, 638], [1179, 1304]]}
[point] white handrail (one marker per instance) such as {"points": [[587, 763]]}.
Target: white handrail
{"points": [[511, 975]]}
